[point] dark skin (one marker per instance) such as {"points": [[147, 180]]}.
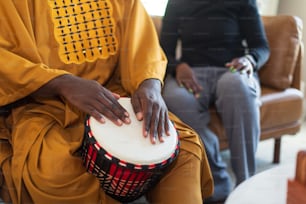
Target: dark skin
{"points": [[92, 98], [185, 76]]}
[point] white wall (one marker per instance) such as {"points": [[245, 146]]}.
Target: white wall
{"points": [[154, 7], [297, 8], [268, 7]]}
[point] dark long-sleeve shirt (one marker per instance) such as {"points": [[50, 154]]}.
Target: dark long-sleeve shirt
{"points": [[212, 32]]}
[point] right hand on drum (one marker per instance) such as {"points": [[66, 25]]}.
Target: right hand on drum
{"points": [[87, 95]]}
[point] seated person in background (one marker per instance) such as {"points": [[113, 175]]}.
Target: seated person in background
{"points": [[64, 59], [216, 68]]}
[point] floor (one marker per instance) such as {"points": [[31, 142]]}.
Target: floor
{"points": [[289, 147]]}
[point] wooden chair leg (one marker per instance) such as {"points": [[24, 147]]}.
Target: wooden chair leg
{"points": [[277, 146]]}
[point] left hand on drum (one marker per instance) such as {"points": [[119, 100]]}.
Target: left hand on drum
{"points": [[150, 107]]}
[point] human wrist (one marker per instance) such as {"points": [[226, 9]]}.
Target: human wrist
{"points": [[54, 87], [152, 83], [62, 84], [181, 65], [252, 60]]}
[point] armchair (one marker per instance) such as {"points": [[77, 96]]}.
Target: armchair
{"points": [[282, 97]]}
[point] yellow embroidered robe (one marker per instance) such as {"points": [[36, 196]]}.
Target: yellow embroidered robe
{"points": [[39, 137]]}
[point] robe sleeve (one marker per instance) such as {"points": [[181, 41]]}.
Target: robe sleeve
{"points": [[21, 69], [141, 56]]}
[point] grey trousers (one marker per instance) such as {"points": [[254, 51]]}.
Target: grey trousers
{"points": [[236, 97]]}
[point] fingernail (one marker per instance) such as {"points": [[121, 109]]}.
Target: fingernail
{"points": [[154, 139], [139, 116], [190, 90], [127, 120], [119, 122], [181, 85], [102, 120], [161, 139], [197, 95]]}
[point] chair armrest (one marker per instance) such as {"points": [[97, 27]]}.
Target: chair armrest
{"points": [[297, 75], [283, 68]]}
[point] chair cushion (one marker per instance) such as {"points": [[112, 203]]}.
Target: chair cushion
{"points": [[284, 34], [280, 107]]}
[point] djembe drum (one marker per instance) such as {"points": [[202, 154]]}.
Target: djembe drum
{"points": [[125, 162]]}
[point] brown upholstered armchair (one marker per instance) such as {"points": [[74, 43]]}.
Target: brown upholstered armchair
{"points": [[282, 96]]}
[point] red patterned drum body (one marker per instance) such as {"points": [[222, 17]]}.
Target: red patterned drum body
{"points": [[125, 162]]}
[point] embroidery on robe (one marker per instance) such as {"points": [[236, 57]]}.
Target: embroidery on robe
{"points": [[84, 29]]}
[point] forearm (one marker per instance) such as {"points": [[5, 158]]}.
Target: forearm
{"points": [[54, 87]]}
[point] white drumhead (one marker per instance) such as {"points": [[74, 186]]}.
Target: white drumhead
{"points": [[127, 142]]}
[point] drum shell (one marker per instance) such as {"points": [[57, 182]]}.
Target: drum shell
{"points": [[122, 181]]}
